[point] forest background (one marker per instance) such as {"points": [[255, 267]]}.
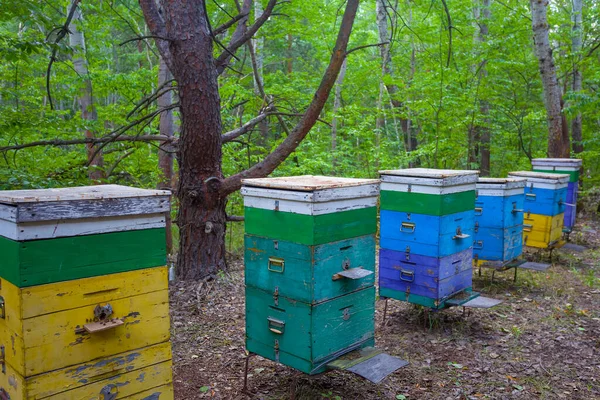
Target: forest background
{"points": [[425, 83]]}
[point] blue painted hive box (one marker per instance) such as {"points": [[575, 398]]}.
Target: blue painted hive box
{"points": [[571, 167], [426, 234], [498, 219], [544, 205], [309, 268]]}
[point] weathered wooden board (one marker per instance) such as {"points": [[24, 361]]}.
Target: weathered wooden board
{"points": [[71, 382], [541, 180], [305, 273], [39, 262], [56, 340], [310, 230], [309, 208], [427, 204], [25, 231], [415, 282], [497, 187], [307, 183], [545, 201], [81, 202], [316, 196], [305, 336], [431, 177], [569, 166], [433, 267]]}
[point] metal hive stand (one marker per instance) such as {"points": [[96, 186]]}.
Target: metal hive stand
{"points": [[516, 264]]}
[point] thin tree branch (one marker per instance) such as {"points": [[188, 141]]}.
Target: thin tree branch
{"points": [[71, 142], [366, 46], [222, 28], [62, 32], [450, 27], [142, 38], [121, 157], [309, 118], [234, 134], [243, 34], [235, 218]]}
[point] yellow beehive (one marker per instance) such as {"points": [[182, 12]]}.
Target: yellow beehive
{"points": [[57, 344], [542, 230]]}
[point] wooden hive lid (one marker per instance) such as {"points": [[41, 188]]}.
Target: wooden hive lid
{"points": [[542, 177], [430, 176], [501, 183], [100, 192], [307, 183], [556, 162]]}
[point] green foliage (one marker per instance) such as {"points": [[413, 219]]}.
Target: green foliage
{"points": [[442, 101]]}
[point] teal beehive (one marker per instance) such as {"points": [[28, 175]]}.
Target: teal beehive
{"points": [[309, 268]]}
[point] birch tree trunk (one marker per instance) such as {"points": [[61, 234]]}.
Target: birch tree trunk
{"points": [[557, 145], [337, 103], [86, 100], [576, 17]]}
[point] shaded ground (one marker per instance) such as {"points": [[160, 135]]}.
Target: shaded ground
{"points": [[542, 342]]}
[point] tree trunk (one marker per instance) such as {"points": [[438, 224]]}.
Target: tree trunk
{"points": [[258, 44], [165, 155], [183, 38], [337, 103], [577, 78], [557, 148], [86, 101], [484, 106]]}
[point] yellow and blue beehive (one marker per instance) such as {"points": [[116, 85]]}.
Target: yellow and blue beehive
{"points": [[84, 309], [544, 208]]}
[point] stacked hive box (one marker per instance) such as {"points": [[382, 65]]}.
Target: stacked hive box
{"points": [[571, 167], [310, 262], [544, 207], [427, 220], [83, 294], [498, 220]]}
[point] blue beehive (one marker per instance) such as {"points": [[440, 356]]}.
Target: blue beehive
{"points": [[498, 220], [571, 167], [426, 235]]}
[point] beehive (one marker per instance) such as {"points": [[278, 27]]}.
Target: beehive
{"points": [[571, 167], [498, 219], [426, 240], [83, 294], [309, 268], [544, 207]]}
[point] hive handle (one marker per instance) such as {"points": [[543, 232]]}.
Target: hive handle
{"points": [[478, 210], [407, 276], [530, 196], [276, 326], [527, 227], [407, 227]]}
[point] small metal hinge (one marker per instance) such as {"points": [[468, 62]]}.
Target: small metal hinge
{"points": [[3, 359], [476, 227], [276, 244], [276, 295], [346, 314], [276, 347], [276, 205], [2, 308], [109, 392], [409, 188], [4, 395]]}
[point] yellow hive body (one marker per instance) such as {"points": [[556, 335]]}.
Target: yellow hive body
{"points": [[541, 230], [49, 354]]}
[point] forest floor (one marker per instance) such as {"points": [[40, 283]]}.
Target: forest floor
{"points": [[543, 341]]}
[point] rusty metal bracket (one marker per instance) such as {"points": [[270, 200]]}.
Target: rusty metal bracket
{"points": [[4, 394], [2, 308]]}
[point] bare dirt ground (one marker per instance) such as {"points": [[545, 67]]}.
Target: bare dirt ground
{"points": [[542, 342]]}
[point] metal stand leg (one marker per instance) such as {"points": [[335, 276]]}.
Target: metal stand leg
{"points": [[245, 389], [493, 274], [385, 311], [515, 278]]}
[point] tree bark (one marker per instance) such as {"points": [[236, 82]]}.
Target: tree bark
{"points": [[576, 129], [86, 100], [258, 44], [483, 131], [337, 103], [165, 155], [185, 42], [558, 147]]}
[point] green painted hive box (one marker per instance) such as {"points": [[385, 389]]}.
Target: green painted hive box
{"points": [[427, 191], [54, 235], [306, 336], [569, 166], [310, 210]]}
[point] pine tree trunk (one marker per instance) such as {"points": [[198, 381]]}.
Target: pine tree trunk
{"points": [[576, 129], [552, 95], [86, 101], [484, 106]]}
